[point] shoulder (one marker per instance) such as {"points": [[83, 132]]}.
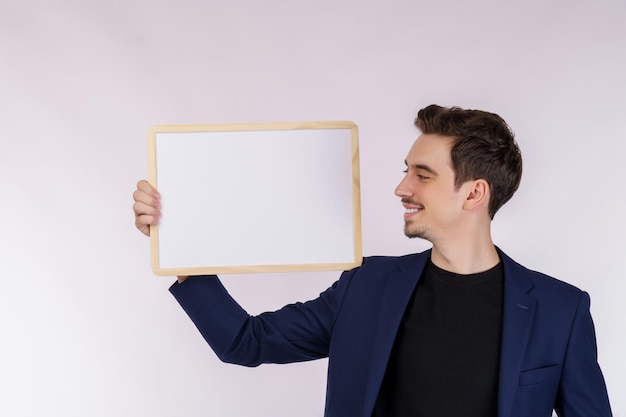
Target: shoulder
{"points": [[392, 263], [539, 284], [376, 270]]}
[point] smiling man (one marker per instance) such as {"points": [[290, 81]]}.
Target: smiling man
{"points": [[458, 330]]}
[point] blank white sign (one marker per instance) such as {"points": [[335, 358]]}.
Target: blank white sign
{"points": [[256, 198]]}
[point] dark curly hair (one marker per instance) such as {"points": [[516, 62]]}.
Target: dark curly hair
{"points": [[484, 147]]}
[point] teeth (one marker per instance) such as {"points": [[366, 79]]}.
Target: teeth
{"points": [[412, 210]]}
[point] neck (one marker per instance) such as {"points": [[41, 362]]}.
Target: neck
{"points": [[470, 255]]}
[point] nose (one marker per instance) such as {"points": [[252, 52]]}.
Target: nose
{"points": [[402, 190]]}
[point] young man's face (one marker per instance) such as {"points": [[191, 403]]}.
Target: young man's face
{"points": [[433, 206]]}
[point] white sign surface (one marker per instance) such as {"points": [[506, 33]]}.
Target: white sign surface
{"points": [[256, 198]]}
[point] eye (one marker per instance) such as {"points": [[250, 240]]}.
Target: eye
{"points": [[422, 177]]}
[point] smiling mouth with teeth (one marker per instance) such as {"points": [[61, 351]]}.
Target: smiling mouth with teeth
{"points": [[410, 212]]}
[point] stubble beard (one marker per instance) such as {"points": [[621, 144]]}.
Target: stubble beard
{"points": [[420, 232]]}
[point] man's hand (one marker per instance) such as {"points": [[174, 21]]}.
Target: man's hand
{"points": [[146, 207]]}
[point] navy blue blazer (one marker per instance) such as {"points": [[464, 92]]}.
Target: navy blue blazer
{"points": [[548, 355]]}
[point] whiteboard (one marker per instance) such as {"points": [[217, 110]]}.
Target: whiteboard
{"points": [[268, 197]]}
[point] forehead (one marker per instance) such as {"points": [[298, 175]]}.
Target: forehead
{"points": [[431, 150]]}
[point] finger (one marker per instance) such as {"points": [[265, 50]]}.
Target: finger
{"points": [[147, 188], [145, 229], [141, 196], [144, 222], [142, 209]]}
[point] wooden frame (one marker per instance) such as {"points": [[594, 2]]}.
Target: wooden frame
{"points": [[263, 197]]}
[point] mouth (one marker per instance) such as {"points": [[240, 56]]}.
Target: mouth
{"points": [[411, 211]]}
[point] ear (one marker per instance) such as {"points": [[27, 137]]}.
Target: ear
{"points": [[478, 195]]}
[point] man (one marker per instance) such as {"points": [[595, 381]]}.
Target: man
{"points": [[458, 330]]}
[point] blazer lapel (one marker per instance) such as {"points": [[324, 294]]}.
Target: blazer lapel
{"points": [[518, 313], [394, 299]]}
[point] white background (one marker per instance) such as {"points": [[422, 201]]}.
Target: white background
{"points": [[87, 330]]}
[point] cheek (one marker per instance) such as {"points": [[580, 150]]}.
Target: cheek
{"points": [[450, 204]]}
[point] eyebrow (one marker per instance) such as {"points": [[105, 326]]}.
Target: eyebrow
{"points": [[423, 167]]}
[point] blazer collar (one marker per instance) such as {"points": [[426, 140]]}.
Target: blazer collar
{"points": [[518, 314], [394, 300]]}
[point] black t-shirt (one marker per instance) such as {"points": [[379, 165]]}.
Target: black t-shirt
{"points": [[446, 355]]}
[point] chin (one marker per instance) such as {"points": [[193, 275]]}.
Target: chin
{"points": [[415, 232]]}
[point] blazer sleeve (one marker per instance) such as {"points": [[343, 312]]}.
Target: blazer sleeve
{"points": [[296, 332], [582, 391]]}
